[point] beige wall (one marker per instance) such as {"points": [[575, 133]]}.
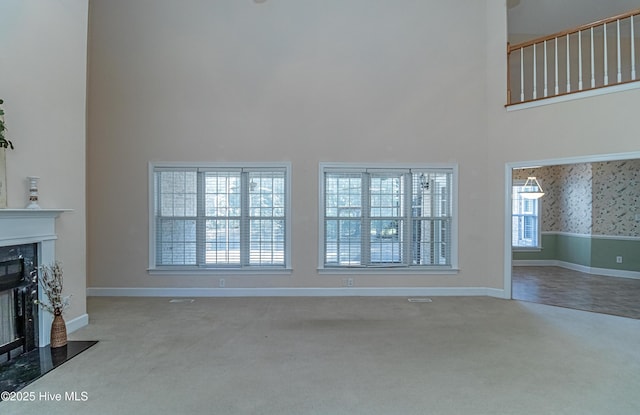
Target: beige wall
{"points": [[43, 83], [309, 82], [280, 81]]}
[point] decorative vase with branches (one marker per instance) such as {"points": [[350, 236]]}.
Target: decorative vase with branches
{"points": [[51, 280]]}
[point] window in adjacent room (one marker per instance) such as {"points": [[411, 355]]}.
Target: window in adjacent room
{"points": [[220, 216], [379, 216], [525, 222]]}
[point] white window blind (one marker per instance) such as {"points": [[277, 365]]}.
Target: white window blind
{"points": [[380, 217], [525, 222], [232, 217]]}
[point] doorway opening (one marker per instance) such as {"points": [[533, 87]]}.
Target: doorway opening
{"points": [[578, 248]]}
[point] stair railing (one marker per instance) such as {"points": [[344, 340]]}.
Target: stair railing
{"points": [[596, 55]]}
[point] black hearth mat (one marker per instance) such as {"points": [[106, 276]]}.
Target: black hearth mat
{"points": [[24, 369]]}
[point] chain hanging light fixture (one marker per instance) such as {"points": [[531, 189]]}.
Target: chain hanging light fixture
{"points": [[532, 189]]}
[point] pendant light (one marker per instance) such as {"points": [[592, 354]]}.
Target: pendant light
{"points": [[532, 189]]}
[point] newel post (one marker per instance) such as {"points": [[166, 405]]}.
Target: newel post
{"points": [[508, 73]]}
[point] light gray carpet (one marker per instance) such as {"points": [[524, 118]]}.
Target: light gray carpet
{"points": [[346, 356]]}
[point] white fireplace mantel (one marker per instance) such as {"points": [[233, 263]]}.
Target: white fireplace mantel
{"points": [[32, 213], [19, 226], [27, 226]]}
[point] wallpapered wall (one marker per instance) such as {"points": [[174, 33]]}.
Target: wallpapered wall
{"points": [[589, 198], [616, 190]]}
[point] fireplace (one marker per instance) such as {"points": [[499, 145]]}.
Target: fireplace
{"points": [[18, 292], [27, 235], [27, 240]]}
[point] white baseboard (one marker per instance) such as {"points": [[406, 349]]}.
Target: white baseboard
{"points": [[77, 323], [497, 293], [576, 267], [296, 292], [616, 273]]}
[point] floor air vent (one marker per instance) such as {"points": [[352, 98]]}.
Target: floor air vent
{"points": [[420, 300]]}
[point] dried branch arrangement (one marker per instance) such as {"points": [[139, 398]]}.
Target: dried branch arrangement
{"points": [[51, 279]]}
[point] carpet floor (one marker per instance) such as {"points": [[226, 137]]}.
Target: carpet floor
{"points": [[352, 355]]}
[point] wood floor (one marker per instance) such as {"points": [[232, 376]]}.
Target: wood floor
{"points": [[572, 289]]}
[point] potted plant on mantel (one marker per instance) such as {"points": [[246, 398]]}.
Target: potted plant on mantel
{"points": [[4, 145], [51, 282]]}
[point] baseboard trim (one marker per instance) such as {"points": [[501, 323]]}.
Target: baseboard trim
{"points": [[297, 292], [497, 293], [77, 323], [577, 267], [635, 275]]}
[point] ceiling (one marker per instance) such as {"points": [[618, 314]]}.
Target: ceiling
{"points": [[544, 17]]}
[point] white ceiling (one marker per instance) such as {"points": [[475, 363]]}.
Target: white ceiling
{"points": [[544, 17]]}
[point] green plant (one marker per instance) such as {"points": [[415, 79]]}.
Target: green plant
{"points": [[4, 143]]}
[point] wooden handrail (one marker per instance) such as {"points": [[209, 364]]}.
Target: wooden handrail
{"points": [[577, 29], [599, 78]]}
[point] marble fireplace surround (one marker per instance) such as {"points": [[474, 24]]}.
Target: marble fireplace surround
{"points": [[26, 226]]}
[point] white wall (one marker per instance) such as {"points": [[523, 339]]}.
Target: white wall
{"points": [[43, 83], [304, 82]]}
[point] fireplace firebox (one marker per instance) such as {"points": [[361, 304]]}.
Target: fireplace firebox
{"points": [[18, 308]]}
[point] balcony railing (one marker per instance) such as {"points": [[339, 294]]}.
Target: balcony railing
{"points": [[588, 57]]}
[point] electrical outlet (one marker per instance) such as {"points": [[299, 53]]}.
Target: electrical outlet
{"points": [[619, 259], [221, 283], [347, 282]]}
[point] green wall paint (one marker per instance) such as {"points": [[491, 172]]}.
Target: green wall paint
{"points": [[574, 249], [605, 251], [591, 252], [548, 252]]}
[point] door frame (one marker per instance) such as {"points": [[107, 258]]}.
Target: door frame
{"points": [[509, 167]]}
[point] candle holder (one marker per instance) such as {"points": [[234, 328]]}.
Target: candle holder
{"points": [[33, 192]]}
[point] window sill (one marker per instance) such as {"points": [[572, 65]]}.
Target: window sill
{"points": [[388, 270], [218, 271]]}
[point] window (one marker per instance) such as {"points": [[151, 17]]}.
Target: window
{"points": [[525, 224], [387, 217], [220, 216]]}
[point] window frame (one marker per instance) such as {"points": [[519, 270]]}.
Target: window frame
{"points": [[199, 269], [389, 268], [538, 229]]}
